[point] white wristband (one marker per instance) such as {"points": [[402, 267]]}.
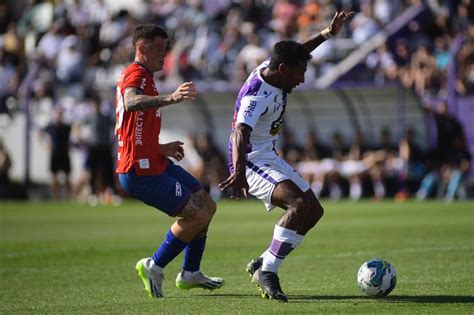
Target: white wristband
{"points": [[325, 33]]}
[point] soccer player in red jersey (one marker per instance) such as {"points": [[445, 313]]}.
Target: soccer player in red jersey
{"points": [[146, 172]]}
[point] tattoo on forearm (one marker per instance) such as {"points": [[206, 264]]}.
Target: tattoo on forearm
{"points": [[136, 101]]}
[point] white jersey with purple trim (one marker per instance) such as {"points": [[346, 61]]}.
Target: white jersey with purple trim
{"points": [[262, 107]]}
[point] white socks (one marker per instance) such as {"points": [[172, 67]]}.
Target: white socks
{"points": [[283, 242]]}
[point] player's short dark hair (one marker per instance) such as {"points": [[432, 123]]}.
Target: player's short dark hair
{"points": [[288, 52], [148, 32]]}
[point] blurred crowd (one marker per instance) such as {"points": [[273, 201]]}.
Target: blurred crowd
{"points": [[419, 56], [63, 57], [80, 45], [385, 167]]}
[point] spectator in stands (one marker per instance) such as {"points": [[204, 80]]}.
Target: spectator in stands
{"points": [[381, 174], [466, 82], [354, 167], [60, 164], [333, 176], [448, 127], [291, 150], [385, 142], [450, 176], [441, 53], [309, 14], [229, 47], [11, 42], [465, 61], [70, 61], [423, 66], [448, 155], [416, 36], [437, 26], [462, 20], [315, 163], [402, 60], [313, 148], [454, 174], [411, 166], [5, 165], [115, 28], [50, 43], [363, 24], [382, 63], [284, 15], [215, 165], [251, 55], [338, 148], [99, 164], [358, 147], [384, 10], [9, 79]]}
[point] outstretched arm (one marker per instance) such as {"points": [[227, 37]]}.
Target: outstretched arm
{"points": [[332, 30], [134, 100], [237, 180]]}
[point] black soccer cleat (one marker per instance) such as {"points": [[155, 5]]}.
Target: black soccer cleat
{"points": [[254, 265], [269, 285]]}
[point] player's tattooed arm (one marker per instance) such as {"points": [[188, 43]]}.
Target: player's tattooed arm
{"points": [[333, 29], [135, 100]]}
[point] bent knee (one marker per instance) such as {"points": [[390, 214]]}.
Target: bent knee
{"points": [[299, 205], [202, 217], [314, 214], [309, 211], [298, 208], [211, 208], [206, 201]]}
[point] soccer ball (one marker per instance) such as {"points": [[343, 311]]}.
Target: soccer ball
{"points": [[377, 277]]}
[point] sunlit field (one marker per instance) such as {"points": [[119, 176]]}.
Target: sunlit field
{"points": [[70, 258]]}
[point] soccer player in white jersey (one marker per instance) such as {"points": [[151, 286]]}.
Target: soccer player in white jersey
{"points": [[254, 164]]}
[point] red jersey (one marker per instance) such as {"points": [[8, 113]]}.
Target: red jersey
{"points": [[138, 132]]}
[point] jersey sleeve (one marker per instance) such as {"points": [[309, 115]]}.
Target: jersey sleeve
{"points": [[135, 79], [251, 108]]}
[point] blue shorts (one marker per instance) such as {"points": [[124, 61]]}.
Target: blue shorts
{"points": [[168, 192]]}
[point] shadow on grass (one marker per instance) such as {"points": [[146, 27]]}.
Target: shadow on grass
{"points": [[230, 295], [436, 299]]}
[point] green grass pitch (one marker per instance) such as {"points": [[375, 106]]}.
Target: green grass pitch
{"points": [[68, 258]]}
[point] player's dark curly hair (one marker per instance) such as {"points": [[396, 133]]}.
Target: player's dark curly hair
{"points": [[288, 52], [148, 31]]}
